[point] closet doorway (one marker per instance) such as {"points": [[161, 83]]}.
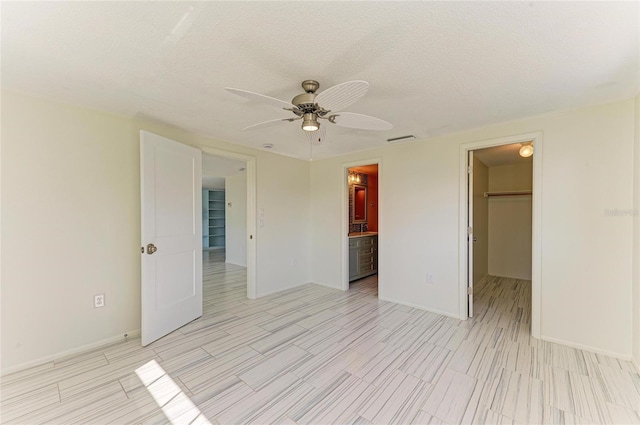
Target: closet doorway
{"points": [[501, 182], [500, 224]]}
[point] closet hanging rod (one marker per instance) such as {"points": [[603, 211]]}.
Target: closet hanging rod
{"points": [[510, 193]]}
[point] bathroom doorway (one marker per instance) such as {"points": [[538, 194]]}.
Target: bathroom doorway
{"points": [[362, 216]]}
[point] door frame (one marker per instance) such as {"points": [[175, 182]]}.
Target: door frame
{"points": [[470, 236], [344, 227], [536, 223], [252, 287]]}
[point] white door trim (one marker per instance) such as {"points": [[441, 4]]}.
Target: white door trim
{"points": [[470, 235], [252, 287], [344, 228], [536, 264]]}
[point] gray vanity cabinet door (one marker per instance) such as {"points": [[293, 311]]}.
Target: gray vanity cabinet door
{"points": [[354, 251], [365, 257]]}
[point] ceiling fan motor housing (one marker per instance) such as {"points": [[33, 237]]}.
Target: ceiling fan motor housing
{"points": [[305, 102]]}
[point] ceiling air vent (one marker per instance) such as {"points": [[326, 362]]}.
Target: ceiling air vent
{"points": [[401, 138]]}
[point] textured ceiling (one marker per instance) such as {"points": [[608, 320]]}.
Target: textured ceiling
{"points": [[434, 67]]}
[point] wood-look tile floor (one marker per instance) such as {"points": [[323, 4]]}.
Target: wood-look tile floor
{"points": [[313, 355]]}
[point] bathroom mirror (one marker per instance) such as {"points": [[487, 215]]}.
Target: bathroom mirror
{"points": [[359, 208]]}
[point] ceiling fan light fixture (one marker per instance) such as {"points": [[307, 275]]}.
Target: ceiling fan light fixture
{"points": [[526, 150], [310, 122]]}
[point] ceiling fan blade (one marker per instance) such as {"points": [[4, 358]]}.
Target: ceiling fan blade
{"points": [[261, 98], [267, 123], [340, 96], [359, 121], [317, 137]]}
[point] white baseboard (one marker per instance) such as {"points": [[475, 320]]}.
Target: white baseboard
{"points": [[596, 350], [420, 307], [66, 353], [326, 285], [286, 288]]}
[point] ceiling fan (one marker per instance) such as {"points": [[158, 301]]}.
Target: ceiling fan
{"points": [[311, 107]]}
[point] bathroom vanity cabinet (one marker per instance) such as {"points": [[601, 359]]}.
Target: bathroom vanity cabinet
{"points": [[363, 255]]}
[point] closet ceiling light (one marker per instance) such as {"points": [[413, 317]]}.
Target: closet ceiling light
{"points": [[526, 150]]}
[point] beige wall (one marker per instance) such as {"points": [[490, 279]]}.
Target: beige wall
{"points": [[636, 237], [71, 225], [70, 183], [236, 220], [587, 168], [480, 220], [71, 229], [510, 221]]}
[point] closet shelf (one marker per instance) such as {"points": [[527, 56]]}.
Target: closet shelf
{"points": [[508, 193], [213, 218]]}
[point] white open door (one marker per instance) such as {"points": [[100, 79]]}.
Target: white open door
{"points": [[470, 233], [170, 185]]}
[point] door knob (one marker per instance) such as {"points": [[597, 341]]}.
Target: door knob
{"points": [[151, 248], [475, 239]]}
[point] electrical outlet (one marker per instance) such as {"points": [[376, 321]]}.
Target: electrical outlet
{"points": [[98, 301], [430, 278]]}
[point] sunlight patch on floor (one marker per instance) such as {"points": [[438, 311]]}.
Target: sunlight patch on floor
{"points": [[176, 406]]}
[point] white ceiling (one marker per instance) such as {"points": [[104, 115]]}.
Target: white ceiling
{"points": [[434, 67], [215, 169], [221, 167], [501, 155]]}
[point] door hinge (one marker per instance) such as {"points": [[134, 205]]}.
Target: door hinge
{"points": [[469, 230], [469, 169], [469, 290]]}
